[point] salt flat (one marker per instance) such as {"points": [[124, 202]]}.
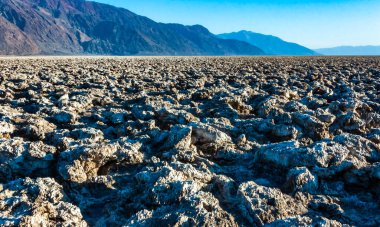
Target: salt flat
{"points": [[210, 141]]}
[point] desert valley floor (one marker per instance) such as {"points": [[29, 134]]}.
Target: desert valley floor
{"points": [[190, 141]]}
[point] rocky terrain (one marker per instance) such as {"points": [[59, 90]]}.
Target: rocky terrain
{"points": [[190, 141]]}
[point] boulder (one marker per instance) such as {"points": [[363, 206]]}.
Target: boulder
{"points": [[37, 202]]}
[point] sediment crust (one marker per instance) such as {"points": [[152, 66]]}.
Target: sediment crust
{"points": [[208, 141]]}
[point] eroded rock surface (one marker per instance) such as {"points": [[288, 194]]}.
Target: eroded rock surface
{"points": [[190, 141]]}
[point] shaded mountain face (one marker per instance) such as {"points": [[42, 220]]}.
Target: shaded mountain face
{"points": [[78, 26], [13, 41], [269, 44], [39, 26], [350, 50]]}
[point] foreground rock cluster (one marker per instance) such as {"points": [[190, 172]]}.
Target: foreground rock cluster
{"points": [[190, 141]]}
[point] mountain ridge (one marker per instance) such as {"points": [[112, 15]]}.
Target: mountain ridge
{"points": [[66, 27], [270, 44], [351, 50]]}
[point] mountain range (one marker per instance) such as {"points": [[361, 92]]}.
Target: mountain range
{"points": [[82, 27], [271, 45], [350, 50], [77, 27]]}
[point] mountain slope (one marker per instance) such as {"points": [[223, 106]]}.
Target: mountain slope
{"points": [[269, 44], [51, 35], [13, 41], [350, 50], [78, 26]]}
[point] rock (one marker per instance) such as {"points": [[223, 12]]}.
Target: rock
{"points": [[240, 107], [374, 135], [261, 205], [64, 117], [373, 120], [351, 122], [326, 205], [86, 162], [169, 117], [315, 128], [63, 100], [37, 129], [142, 113], [87, 135], [305, 221], [254, 127], [359, 146], [205, 134], [117, 118], [284, 132], [178, 144], [290, 154], [284, 154], [172, 183], [178, 138], [325, 116], [61, 139], [40, 202], [6, 129], [242, 139], [327, 154], [269, 106], [295, 106], [225, 186], [203, 206], [23, 159], [300, 179]]}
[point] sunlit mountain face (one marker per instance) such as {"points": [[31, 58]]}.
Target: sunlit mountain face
{"points": [[81, 27]]}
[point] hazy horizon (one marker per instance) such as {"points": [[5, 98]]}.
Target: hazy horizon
{"points": [[312, 23]]}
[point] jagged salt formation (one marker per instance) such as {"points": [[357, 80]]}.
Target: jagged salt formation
{"points": [[190, 141]]}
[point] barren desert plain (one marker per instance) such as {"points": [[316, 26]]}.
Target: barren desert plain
{"points": [[190, 141]]}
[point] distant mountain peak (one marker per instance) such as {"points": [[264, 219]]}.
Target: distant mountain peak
{"points": [[351, 50], [269, 44]]}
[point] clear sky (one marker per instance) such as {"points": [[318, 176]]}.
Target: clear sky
{"points": [[313, 23]]}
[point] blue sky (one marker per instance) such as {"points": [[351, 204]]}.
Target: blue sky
{"points": [[315, 24]]}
